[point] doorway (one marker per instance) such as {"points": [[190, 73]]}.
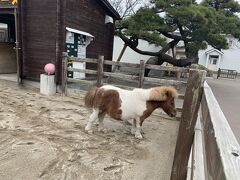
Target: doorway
{"points": [[8, 60], [213, 62]]}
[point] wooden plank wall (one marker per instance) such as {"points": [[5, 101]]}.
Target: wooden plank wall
{"points": [[39, 36], [89, 16], [43, 32]]}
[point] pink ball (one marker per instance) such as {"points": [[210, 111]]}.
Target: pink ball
{"points": [[49, 68]]}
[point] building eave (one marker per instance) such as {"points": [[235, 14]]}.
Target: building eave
{"points": [[111, 9], [212, 50]]}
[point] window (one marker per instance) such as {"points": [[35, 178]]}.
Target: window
{"points": [[213, 59]]}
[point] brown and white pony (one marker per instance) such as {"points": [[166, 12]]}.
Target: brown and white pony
{"points": [[120, 104]]}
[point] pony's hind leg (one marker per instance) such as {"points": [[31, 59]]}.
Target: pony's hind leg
{"points": [[100, 120], [92, 118]]}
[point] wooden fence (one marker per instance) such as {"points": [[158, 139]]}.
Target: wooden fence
{"points": [[227, 73], [215, 151], [130, 78], [187, 125], [216, 156], [221, 147]]}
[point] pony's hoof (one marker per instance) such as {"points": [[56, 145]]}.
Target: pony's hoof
{"points": [[138, 136], [102, 130], [142, 132], [90, 131], [133, 131]]}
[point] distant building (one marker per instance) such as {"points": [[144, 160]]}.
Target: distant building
{"points": [[213, 58], [225, 59]]}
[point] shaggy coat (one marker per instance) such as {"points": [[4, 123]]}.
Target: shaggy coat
{"points": [[137, 104]]}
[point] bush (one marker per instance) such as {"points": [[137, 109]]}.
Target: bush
{"points": [[201, 67]]}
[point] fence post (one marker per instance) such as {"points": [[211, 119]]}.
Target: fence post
{"points": [[191, 105], [141, 73], [178, 75], [64, 72], [218, 73], [100, 70]]}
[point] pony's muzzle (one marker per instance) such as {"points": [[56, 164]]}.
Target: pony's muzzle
{"points": [[173, 114]]}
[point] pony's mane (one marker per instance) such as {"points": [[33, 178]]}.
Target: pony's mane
{"points": [[162, 93]]}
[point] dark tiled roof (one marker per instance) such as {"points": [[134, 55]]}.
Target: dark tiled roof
{"points": [[111, 9]]}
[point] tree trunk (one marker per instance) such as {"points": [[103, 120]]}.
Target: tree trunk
{"points": [[191, 55], [153, 60]]}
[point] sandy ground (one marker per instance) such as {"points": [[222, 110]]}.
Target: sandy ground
{"points": [[43, 138]]}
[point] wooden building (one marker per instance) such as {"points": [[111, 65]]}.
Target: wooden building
{"points": [[38, 30]]}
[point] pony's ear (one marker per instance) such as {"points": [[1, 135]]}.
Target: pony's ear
{"points": [[171, 92], [168, 94]]}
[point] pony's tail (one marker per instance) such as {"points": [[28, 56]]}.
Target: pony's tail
{"points": [[90, 96]]}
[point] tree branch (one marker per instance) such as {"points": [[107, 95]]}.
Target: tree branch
{"points": [[170, 35], [164, 57], [170, 45]]}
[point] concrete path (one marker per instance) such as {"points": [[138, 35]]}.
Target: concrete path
{"points": [[227, 93]]}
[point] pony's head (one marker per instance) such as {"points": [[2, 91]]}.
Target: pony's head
{"points": [[166, 96], [168, 107]]}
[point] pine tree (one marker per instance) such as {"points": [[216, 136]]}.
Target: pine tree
{"points": [[181, 20]]}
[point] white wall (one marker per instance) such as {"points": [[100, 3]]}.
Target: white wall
{"points": [[202, 57], [130, 55], [231, 59]]}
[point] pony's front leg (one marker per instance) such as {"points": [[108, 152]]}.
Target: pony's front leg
{"points": [[133, 129], [138, 134], [100, 120], [92, 118]]}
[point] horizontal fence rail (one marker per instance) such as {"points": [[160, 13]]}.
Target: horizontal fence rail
{"points": [[165, 68], [75, 59], [121, 64]]}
